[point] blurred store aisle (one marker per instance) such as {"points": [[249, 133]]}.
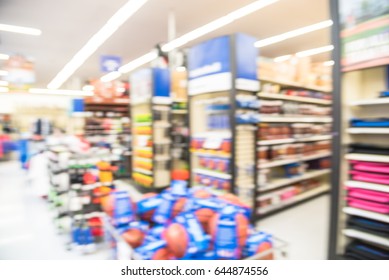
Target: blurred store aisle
{"points": [[26, 229]]}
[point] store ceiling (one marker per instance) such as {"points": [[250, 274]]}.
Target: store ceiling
{"points": [[68, 24]]}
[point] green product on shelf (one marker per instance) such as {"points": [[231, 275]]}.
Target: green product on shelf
{"points": [[143, 118]]}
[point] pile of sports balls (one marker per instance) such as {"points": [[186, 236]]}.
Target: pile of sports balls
{"points": [[186, 223]]}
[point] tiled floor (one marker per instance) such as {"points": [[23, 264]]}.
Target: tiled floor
{"points": [[27, 231], [26, 228]]}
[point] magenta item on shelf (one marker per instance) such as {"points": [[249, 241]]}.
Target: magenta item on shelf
{"points": [[287, 195], [370, 177], [370, 166], [369, 206], [203, 161], [376, 196]]}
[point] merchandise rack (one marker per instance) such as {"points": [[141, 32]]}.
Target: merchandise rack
{"points": [[269, 191], [221, 154], [360, 82], [151, 129], [121, 250]]}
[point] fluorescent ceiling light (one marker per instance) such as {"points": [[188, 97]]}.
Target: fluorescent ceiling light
{"points": [[60, 92], [88, 88], [3, 89], [293, 33], [4, 83], [146, 58], [315, 51], [328, 63], [216, 24], [192, 35], [282, 58], [4, 56], [3, 73], [20, 29], [110, 76], [122, 15]]}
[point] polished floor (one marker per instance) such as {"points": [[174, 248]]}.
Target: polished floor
{"points": [[27, 230]]}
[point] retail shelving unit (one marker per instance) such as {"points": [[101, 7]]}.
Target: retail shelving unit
{"points": [[151, 115], [360, 192], [180, 126], [222, 157], [294, 149]]}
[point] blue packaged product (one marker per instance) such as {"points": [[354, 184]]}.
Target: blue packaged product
{"points": [[226, 239], [256, 243], [207, 255], [148, 250], [123, 211], [148, 204], [179, 188], [154, 233], [198, 240], [164, 211], [143, 226]]}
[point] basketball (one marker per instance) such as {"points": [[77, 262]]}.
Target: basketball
{"points": [[177, 239], [134, 237], [178, 206], [263, 247], [201, 193], [204, 216], [162, 254]]}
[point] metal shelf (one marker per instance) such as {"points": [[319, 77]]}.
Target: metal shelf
{"points": [[367, 186], [212, 173], [366, 214], [376, 101], [293, 160], [295, 85], [352, 233], [279, 96], [287, 181], [294, 140], [294, 200], [368, 130], [367, 157], [295, 119]]}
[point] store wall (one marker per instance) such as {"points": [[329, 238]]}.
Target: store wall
{"points": [[25, 108]]}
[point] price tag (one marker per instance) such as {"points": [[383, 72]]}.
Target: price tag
{"points": [[213, 142]]}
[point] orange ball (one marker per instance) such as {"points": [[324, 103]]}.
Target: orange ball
{"points": [[134, 237], [177, 239]]}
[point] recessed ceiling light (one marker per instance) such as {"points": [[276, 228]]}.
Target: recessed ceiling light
{"points": [[194, 34], [293, 33], [3, 73], [282, 58], [20, 29], [4, 83], [315, 51], [121, 16], [4, 56], [60, 92]]}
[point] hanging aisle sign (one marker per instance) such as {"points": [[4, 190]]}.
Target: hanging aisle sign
{"points": [[110, 63], [210, 65], [364, 33]]}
